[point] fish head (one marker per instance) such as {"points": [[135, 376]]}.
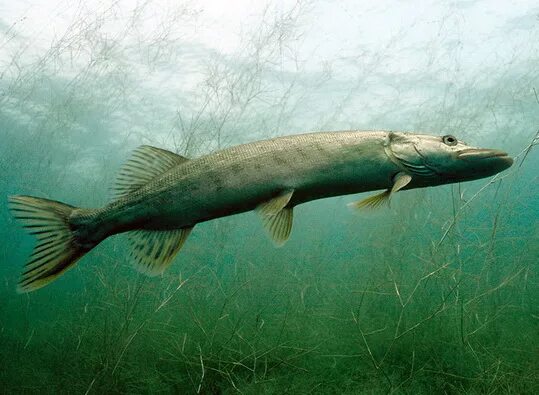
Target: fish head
{"points": [[434, 160]]}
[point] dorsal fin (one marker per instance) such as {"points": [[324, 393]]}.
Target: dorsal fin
{"points": [[145, 164]]}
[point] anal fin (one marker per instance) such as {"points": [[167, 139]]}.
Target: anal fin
{"points": [[154, 250]]}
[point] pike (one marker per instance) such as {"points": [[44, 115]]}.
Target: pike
{"points": [[161, 196]]}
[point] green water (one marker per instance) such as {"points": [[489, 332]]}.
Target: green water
{"points": [[437, 294]]}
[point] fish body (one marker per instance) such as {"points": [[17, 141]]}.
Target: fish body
{"points": [[238, 179], [161, 196]]}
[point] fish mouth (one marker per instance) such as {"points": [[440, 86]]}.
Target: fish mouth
{"points": [[497, 158], [481, 153], [484, 153]]}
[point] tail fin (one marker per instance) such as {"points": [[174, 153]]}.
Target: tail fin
{"points": [[57, 249]]}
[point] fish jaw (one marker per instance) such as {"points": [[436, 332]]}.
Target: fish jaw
{"points": [[487, 157], [479, 163]]}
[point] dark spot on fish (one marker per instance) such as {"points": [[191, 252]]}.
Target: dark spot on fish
{"points": [[319, 148], [215, 180], [236, 167], [280, 160], [302, 154]]}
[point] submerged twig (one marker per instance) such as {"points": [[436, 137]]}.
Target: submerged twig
{"points": [[527, 150], [202, 368]]}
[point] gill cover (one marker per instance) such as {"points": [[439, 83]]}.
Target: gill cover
{"points": [[402, 149]]}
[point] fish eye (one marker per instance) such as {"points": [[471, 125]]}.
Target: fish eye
{"points": [[449, 140]]}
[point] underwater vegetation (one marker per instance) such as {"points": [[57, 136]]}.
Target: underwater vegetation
{"points": [[436, 293]]}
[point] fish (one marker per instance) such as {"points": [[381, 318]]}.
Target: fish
{"points": [[160, 196]]}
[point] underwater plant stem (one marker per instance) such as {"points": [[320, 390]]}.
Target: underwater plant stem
{"points": [[499, 286], [131, 337], [440, 308], [461, 208], [90, 386], [165, 301], [202, 368], [126, 346], [376, 365], [527, 150], [462, 337]]}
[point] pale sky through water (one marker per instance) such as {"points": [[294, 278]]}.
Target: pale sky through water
{"points": [[331, 29], [345, 64]]}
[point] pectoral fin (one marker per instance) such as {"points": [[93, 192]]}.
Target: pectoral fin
{"points": [[399, 181], [277, 218]]}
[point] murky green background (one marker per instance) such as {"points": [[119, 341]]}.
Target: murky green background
{"points": [[437, 294]]}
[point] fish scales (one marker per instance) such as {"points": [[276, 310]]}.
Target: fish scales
{"points": [[227, 182]]}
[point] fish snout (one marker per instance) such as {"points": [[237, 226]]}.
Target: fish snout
{"points": [[491, 157]]}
